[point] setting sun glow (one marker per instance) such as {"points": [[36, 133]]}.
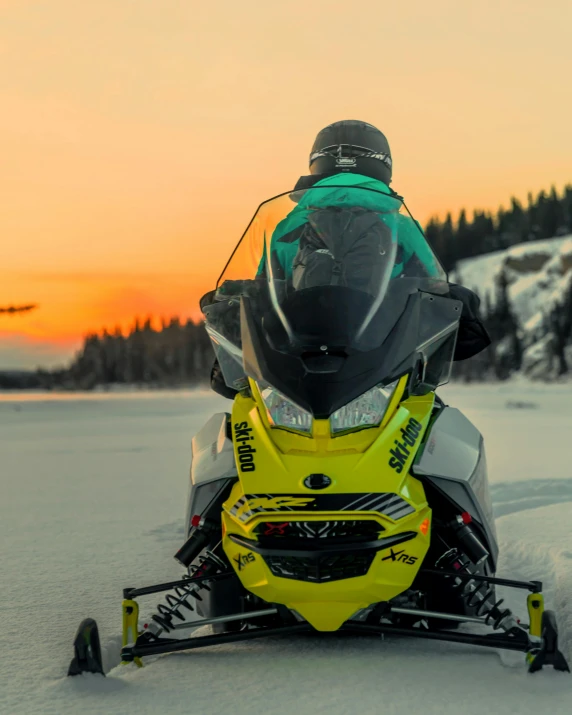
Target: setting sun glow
{"points": [[138, 138]]}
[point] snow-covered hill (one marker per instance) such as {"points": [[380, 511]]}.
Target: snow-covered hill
{"points": [[539, 275]]}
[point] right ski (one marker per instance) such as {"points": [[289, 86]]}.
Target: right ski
{"points": [[87, 650]]}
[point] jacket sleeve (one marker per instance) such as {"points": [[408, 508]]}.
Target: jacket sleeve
{"points": [[414, 245], [472, 337], [218, 383]]}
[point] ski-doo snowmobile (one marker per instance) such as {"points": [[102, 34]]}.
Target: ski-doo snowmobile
{"points": [[341, 493]]}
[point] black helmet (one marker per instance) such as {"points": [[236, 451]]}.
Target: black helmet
{"points": [[352, 146]]}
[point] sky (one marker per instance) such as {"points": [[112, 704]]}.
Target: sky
{"points": [[137, 137]]}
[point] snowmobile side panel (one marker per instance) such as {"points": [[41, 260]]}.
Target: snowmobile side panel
{"points": [[212, 452], [212, 467], [453, 460], [207, 498], [452, 447]]}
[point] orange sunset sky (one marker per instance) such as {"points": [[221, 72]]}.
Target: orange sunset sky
{"points": [[137, 137]]}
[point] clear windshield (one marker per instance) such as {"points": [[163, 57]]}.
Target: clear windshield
{"points": [[326, 270]]}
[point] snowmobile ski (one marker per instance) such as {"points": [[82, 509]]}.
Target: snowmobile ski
{"points": [[540, 651], [547, 653], [87, 650]]}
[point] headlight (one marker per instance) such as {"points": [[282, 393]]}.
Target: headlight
{"points": [[284, 413], [367, 410]]}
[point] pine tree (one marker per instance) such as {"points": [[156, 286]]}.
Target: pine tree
{"points": [[504, 331], [447, 237], [567, 208], [560, 328], [551, 215], [434, 236]]}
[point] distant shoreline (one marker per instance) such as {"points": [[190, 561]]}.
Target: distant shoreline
{"points": [[114, 388], [22, 396]]}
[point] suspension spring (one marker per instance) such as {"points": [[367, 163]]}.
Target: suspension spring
{"points": [[209, 564], [478, 596]]}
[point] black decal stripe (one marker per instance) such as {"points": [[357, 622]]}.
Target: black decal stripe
{"points": [[390, 500], [387, 502], [365, 502], [352, 506], [371, 504], [384, 503], [391, 505], [396, 505], [237, 506], [374, 500], [365, 505], [377, 505], [400, 513]]}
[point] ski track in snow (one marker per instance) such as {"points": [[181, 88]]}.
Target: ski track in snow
{"points": [[93, 491]]}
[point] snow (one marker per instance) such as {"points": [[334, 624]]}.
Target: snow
{"points": [[92, 501], [533, 248], [539, 278], [538, 272]]}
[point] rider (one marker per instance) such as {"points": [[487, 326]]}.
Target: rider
{"points": [[355, 154]]}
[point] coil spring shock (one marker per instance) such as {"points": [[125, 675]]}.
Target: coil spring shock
{"points": [[478, 596], [209, 563]]}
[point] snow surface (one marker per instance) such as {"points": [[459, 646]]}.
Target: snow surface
{"points": [[92, 500]]}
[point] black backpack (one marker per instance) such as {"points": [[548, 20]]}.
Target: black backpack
{"points": [[343, 247]]}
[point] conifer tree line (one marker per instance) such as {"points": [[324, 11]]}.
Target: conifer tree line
{"points": [[180, 352], [177, 353], [545, 216]]}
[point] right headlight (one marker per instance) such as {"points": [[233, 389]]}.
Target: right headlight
{"points": [[367, 410], [282, 412]]}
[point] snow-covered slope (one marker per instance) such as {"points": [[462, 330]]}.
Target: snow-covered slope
{"points": [[539, 275], [92, 491]]}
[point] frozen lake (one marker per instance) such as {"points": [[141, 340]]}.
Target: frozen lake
{"points": [[92, 500]]}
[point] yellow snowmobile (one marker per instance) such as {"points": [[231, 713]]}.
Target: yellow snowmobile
{"points": [[341, 494]]}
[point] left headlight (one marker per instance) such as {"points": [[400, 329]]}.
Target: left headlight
{"points": [[284, 413], [367, 410]]}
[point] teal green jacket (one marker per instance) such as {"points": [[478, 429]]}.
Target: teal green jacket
{"points": [[410, 236]]}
